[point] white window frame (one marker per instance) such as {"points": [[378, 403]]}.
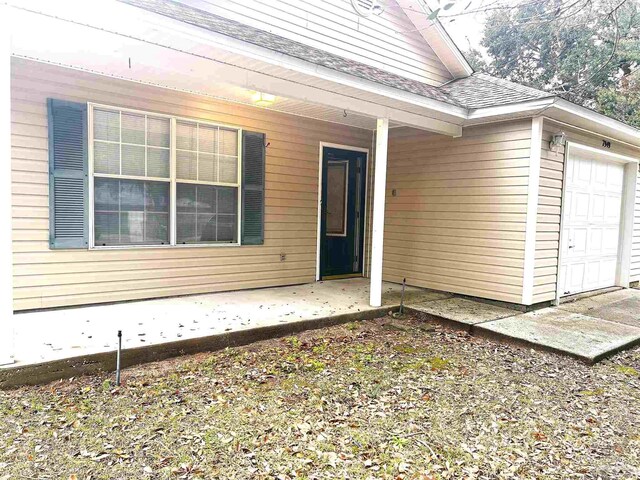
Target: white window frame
{"points": [[172, 180]]}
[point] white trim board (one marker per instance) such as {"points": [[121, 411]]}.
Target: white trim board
{"points": [[6, 254], [532, 211], [436, 37], [623, 266], [605, 153], [322, 146]]}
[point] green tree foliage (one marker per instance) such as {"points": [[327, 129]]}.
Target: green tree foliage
{"points": [[586, 51], [622, 103]]}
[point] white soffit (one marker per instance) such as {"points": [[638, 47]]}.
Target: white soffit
{"points": [[126, 42], [437, 37]]}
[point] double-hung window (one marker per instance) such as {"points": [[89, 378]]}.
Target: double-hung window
{"points": [[161, 180], [207, 185]]}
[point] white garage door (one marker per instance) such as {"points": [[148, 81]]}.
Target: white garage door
{"points": [[591, 223]]}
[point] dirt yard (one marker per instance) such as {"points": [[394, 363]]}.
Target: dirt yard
{"points": [[397, 399]]}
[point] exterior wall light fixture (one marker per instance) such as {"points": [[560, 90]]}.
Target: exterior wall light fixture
{"points": [[558, 140]]}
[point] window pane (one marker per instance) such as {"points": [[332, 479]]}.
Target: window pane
{"points": [[158, 162], [106, 158], [106, 125], [186, 165], [228, 142], [207, 168], [133, 160], [206, 213], [206, 199], [133, 128], [107, 228], [131, 227], [186, 232], [228, 169], [336, 197], [186, 136], [207, 139], [227, 200], [206, 228], [156, 198], [227, 228], [132, 195], [106, 195], [156, 228], [158, 132], [186, 198], [129, 212]]}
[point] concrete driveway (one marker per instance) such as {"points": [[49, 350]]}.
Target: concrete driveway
{"points": [[590, 328]]}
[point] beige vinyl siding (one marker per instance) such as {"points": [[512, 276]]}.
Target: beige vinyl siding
{"points": [[457, 222], [635, 251], [388, 41], [549, 205], [548, 219], [51, 278]]}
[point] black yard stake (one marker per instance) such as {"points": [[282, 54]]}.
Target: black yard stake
{"points": [[404, 281], [118, 358]]}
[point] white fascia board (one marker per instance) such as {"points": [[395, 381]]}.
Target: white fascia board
{"points": [[437, 37], [116, 17], [597, 118], [555, 108], [108, 53], [534, 107]]}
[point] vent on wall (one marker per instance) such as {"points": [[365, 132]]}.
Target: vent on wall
{"points": [[365, 8]]}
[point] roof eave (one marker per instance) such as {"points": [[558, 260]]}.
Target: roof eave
{"points": [[556, 108], [437, 37]]}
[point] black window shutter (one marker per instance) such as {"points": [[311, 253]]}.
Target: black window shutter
{"points": [[253, 161], [68, 175]]}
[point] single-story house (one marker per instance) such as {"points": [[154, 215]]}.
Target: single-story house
{"points": [[172, 147]]}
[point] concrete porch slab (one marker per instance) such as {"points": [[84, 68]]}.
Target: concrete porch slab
{"points": [[462, 311], [66, 342], [585, 337], [55, 334], [621, 306]]}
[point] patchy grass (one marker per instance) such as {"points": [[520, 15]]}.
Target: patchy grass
{"points": [[379, 399]]}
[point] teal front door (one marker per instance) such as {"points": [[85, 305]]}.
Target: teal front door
{"points": [[342, 212]]}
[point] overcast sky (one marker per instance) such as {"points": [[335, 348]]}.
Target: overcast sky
{"points": [[464, 29]]}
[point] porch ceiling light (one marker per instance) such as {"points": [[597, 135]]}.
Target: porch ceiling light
{"points": [[263, 99]]}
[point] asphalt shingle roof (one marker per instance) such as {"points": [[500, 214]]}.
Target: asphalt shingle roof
{"points": [[481, 90], [476, 91]]}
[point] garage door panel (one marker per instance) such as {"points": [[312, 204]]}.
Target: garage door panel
{"points": [[610, 239], [597, 208], [583, 172], [575, 278], [615, 176], [578, 242], [592, 274], [595, 240], [591, 224], [612, 208], [600, 174]]}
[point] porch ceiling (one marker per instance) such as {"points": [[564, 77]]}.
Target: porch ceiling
{"points": [[122, 41]]}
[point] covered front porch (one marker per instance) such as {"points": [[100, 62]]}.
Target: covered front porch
{"points": [[191, 75], [66, 342]]}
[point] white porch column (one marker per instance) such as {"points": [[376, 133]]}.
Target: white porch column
{"points": [[379, 187], [6, 260]]}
